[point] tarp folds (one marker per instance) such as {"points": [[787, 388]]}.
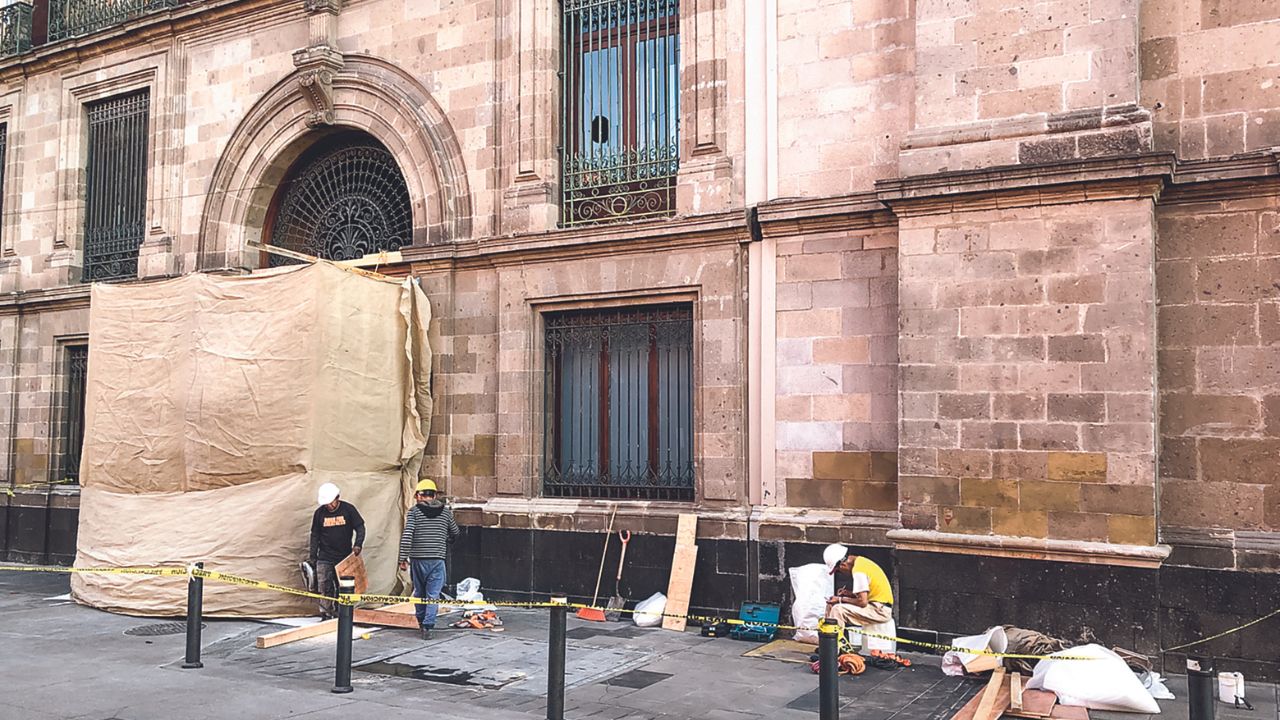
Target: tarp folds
{"points": [[215, 408]]}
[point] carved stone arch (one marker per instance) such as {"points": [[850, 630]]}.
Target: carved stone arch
{"points": [[367, 94]]}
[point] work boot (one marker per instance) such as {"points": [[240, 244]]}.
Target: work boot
{"points": [[426, 633]]}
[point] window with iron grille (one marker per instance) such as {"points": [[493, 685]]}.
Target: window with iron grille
{"points": [[71, 432], [115, 186], [619, 403], [620, 101]]}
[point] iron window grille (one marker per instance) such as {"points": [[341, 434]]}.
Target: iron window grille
{"points": [[619, 404], [71, 18], [620, 102], [115, 186], [344, 200], [71, 434], [15, 29]]}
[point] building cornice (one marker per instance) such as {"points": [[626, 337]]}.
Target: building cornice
{"points": [[1076, 551], [1073, 181], [727, 228], [69, 297], [793, 216]]}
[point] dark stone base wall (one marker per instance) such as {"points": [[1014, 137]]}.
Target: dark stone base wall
{"points": [[38, 529]]}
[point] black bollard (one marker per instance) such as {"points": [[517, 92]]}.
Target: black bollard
{"points": [[1200, 688], [195, 611], [555, 659], [346, 611], [828, 671]]}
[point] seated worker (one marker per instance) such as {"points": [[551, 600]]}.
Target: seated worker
{"points": [[867, 599]]}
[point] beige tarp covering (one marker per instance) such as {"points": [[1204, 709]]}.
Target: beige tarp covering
{"points": [[217, 406]]}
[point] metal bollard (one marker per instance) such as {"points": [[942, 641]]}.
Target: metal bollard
{"points": [[346, 612], [828, 671], [195, 611], [555, 658], [1200, 688]]}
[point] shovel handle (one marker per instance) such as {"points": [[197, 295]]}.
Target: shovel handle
{"points": [[625, 537]]}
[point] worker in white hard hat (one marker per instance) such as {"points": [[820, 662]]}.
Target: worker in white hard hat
{"points": [[332, 526], [867, 598], [429, 527]]}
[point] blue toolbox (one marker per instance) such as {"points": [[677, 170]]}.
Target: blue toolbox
{"points": [[758, 622]]}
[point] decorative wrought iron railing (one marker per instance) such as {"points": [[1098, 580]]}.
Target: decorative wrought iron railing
{"points": [[620, 106], [115, 186], [71, 18], [15, 29], [619, 404]]}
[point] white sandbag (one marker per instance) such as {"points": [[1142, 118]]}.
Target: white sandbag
{"points": [[811, 586], [993, 639], [649, 611], [1102, 683]]}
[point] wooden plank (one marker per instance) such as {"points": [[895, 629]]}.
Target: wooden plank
{"points": [[1070, 712], [298, 633], [386, 618], [680, 587], [353, 566], [995, 698], [1015, 691], [686, 529], [1036, 704], [982, 663]]}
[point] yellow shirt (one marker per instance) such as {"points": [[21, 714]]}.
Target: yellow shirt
{"points": [[881, 590]]}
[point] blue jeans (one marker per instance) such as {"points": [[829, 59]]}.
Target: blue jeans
{"points": [[428, 580]]}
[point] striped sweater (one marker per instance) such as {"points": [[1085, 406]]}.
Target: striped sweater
{"points": [[428, 530]]}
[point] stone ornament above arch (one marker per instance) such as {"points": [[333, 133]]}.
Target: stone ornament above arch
{"points": [[367, 94]]}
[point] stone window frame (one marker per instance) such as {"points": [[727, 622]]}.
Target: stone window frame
{"points": [[10, 221], [78, 91], [58, 409], [540, 307]]}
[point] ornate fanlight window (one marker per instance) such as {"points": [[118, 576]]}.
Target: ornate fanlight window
{"points": [[344, 198]]}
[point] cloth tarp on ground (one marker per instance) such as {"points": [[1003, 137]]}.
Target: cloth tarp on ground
{"points": [[216, 407]]}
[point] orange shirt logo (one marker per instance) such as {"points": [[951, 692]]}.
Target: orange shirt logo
{"points": [[335, 521]]}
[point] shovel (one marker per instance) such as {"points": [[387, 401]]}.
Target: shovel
{"points": [[613, 611]]}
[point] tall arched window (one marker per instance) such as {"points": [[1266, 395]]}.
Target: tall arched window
{"points": [[343, 199]]}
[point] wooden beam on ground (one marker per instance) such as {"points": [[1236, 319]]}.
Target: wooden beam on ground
{"points": [[299, 633], [680, 585], [1069, 712], [995, 697], [1015, 691], [387, 617], [1036, 705]]}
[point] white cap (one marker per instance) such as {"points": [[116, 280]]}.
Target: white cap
{"points": [[861, 583], [833, 555], [328, 493]]}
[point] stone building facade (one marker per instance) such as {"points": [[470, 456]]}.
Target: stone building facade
{"points": [[986, 288]]}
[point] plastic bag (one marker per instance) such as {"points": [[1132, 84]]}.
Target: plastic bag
{"points": [[811, 586], [1154, 684], [469, 591], [993, 639], [1102, 683], [649, 611]]}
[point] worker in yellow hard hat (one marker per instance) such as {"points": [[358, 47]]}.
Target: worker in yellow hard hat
{"points": [[429, 527]]}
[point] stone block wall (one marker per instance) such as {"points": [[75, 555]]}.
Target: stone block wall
{"points": [[1218, 266], [836, 404], [1027, 376], [1208, 72], [844, 93]]}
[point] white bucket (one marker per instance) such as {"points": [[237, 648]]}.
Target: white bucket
{"points": [[1230, 687]]}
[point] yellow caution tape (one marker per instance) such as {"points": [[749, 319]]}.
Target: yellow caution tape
{"points": [[355, 599], [23, 486]]}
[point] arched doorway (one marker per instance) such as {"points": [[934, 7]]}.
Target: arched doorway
{"points": [[343, 198]]}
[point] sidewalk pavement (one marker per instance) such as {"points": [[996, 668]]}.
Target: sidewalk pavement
{"points": [[62, 660]]}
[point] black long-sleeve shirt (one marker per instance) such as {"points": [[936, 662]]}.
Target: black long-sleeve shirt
{"points": [[331, 532]]}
